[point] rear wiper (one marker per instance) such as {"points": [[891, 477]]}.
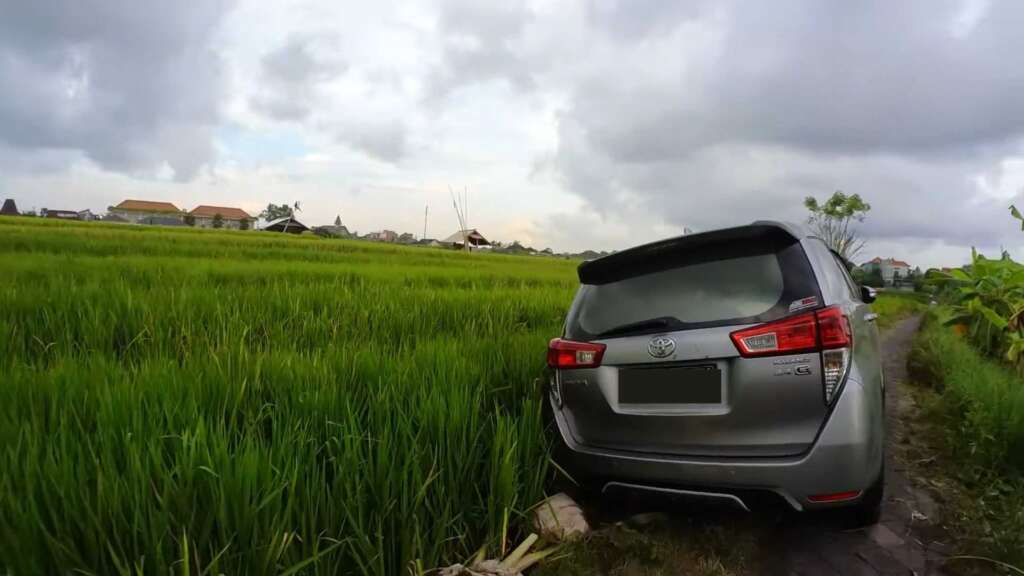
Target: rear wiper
{"points": [[643, 326]]}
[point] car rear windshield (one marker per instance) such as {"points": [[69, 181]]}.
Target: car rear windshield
{"points": [[718, 285]]}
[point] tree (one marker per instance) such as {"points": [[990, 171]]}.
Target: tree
{"points": [[243, 224], [190, 220], [874, 278], [218, 220], [274, 211], [831, 221]]}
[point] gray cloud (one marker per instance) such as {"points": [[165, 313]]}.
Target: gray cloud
{"points": [[480, 43], [800, 98], [386, 140], [291, 76], [130, 85]]}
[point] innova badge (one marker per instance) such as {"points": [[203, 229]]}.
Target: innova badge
{"points": [[661, 346]]}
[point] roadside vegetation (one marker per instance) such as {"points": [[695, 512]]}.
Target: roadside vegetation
{"points": [[969, 352], [976, 407], [893, 306], [209, 402]]}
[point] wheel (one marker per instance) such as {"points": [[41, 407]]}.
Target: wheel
{"points": [[868, 510]]}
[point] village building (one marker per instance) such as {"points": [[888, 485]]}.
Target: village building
{"points": [[337, 230], [891, 270], [473, 237], [9, 208], [113, 218], [287, 224], [157, 220], [383, 236], [60, 214], [233, 218], [138, 210]]}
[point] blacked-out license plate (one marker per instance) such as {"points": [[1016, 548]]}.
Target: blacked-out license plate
{"points": [[675, 385]]}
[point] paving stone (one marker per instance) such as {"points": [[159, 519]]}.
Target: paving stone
{"points": [[882, 561], [884, 537]]}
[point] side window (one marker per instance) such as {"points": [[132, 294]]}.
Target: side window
{"points": [[854, 289]]}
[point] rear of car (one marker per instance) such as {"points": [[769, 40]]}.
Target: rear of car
{"points": [[718, 364]]}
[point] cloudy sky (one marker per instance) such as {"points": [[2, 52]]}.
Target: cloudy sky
{"points": [[571, 124]]}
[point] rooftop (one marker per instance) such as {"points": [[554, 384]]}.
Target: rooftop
{"points": [[226, 212], [146, 206]]}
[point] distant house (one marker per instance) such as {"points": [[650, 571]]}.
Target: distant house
{"points": [[232, 217], [334, 231], [890, 269], [472, 236], [114, 218], [137, 210], [60, 214], [383, 236], [161, 221], [9, 208], [287, 224]]}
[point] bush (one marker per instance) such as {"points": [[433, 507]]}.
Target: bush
{"points": [[985, 396], [980, 405]]}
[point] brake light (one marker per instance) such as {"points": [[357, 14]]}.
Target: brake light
{"points": [[826, 331], [786, 336], [566, 354], [835, 328]]}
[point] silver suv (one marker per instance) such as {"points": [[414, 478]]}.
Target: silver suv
{"points": [[721, 366]]}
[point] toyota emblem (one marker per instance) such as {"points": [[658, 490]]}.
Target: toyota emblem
{"points": [[661, 346]]}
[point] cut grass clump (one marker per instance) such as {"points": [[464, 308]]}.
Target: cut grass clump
{"points": [[251, 403], [980, 405]]}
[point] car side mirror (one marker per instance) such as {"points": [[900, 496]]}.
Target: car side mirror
{"points": [[868, 294]]}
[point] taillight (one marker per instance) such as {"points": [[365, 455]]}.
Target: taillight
{"points": [[826, 330], [836, 342], [786, 336], [566, 354]]}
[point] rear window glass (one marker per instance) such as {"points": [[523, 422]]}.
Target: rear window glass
{"points": [[741, 289]]}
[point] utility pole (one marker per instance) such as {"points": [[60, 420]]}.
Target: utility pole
{"points": [[426, 211]]}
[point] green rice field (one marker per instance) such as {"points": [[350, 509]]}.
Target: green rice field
{"points": [[205, 402]]}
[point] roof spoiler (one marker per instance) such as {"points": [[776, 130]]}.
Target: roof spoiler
{"points": [[754, 239]]}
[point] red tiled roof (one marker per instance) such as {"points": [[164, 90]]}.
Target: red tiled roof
{"points": [[146, 206], [892, 261], [225, 212]]}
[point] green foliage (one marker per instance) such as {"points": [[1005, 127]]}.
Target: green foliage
{"points": [[200, 401], [218, 220], [873, 277], [988, 298], [275, 211], [892, 307], [982, 408], [831, 221], [244, 224], [190, 220]]}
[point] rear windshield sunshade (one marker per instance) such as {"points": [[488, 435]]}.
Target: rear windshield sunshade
{"points": [[731, 277]]}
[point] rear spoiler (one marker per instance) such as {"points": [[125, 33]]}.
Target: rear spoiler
{"points": [[755, 239]]}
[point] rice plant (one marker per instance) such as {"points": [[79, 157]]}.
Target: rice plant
{"points": [[206, 402]]}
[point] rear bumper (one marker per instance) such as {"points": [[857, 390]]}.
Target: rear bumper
{"points": [[847, 456]]}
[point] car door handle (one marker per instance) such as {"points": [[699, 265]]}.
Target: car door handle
{"points": [[870, 317]]}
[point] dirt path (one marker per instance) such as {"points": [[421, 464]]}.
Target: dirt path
{"points": [[903, 543]]}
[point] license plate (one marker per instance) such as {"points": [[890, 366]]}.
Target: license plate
{"points": [[675, 385]]}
